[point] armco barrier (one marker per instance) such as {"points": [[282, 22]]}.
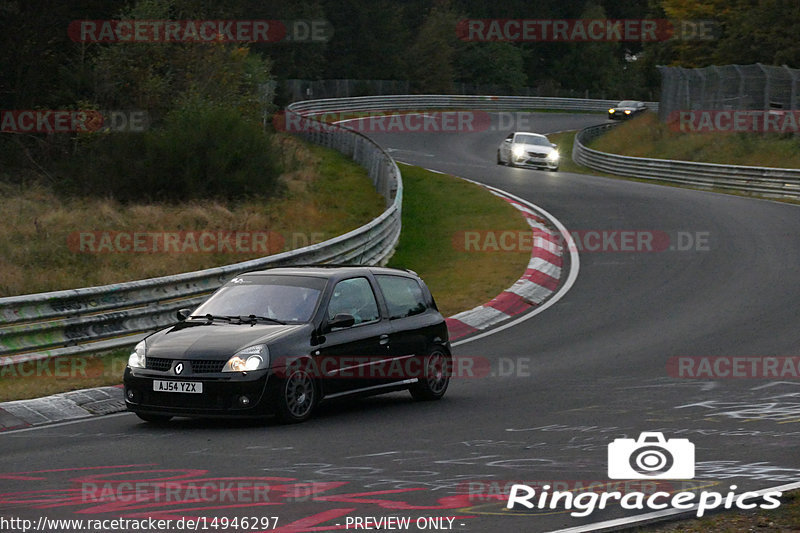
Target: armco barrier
{"points": [[484, 103], [96, 319], [767, 181]]}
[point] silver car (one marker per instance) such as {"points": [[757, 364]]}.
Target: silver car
{"points": [[527, 150]]}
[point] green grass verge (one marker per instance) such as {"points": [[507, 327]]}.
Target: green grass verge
{"points": [[437, 209]]}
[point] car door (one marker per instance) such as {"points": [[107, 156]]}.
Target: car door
{"points": [[413, 325], [347, 356]]}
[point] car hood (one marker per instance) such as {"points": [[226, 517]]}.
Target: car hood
{"points": [[536, 148], [213, 341]]}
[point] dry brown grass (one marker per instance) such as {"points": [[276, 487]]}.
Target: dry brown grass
{"points": [[645, 136], [325, 196]]}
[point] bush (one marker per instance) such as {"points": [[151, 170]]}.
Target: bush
{"points": [[202, 151]]}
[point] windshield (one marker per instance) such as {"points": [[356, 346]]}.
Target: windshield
{"points": [[283, 298], [627, 103], [532, 139]]}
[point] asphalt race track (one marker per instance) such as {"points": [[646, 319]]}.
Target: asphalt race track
{"points": [[591, 369]]}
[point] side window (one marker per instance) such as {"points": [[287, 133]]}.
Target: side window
{"points": [[354, 297], [404, 296]]}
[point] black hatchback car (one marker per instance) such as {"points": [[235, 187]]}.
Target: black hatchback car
{"points": [[281, 340], [626, 109]]}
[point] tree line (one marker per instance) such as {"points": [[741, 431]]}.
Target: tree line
{"points": [[190, 89]]}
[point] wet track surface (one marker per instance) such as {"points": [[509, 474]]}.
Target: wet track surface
{"points": [[590, 369]]}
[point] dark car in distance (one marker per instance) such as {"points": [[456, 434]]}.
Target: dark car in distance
{"points": [[279, 341], [626, 109]]}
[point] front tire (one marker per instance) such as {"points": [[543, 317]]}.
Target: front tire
{"points": [[438, 367], [499, 161], [297, 397]]}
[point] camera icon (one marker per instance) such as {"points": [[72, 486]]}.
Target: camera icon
{"points": [[651, 457]]}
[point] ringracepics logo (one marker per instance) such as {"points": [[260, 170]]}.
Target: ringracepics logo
{"points": [[651, 456]]}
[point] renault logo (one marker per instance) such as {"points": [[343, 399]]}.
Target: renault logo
{"points": [[179, 368]]}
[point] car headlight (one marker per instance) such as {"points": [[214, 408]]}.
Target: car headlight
{"points": [[137, 358], [611, 110], [553, 156], [518, 151], [627, 111], [251, 358]]}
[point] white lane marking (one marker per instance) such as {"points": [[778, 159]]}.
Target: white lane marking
{"points": [[654, 516], [66, 423]]}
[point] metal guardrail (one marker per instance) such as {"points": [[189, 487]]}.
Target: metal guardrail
{"points": [[484, 103], [767, 181], [97, 319]]}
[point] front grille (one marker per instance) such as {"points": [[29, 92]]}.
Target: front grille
{"points": [[537, 155], [200, 366], [157, 363], [187, 401]]}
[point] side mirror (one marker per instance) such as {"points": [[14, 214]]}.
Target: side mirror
{"points": [[554, 145], [507, 141], [183, 314], [341, 320]]}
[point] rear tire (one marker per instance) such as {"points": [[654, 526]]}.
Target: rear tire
{"points": [[297, 397], [154, 419], [438, 367]]}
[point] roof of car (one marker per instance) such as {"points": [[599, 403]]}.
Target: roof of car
{"points": [[529, 133], [329, 271]]}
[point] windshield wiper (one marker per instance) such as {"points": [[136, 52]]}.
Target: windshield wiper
{"points": [[211, 317], [254, 318]]}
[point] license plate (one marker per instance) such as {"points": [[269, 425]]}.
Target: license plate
{"points": [[192, 387]]}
